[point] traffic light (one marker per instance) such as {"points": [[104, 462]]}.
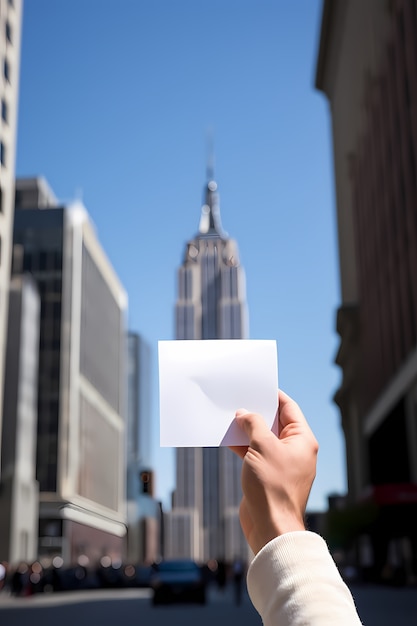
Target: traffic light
{"points": [[146, 481]]}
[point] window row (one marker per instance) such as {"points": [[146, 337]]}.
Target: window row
{"points": [[42, 261]]}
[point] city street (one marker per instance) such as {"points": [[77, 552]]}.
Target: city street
{"points": [[378, 606], [130, 607]]}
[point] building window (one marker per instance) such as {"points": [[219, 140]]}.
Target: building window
{"points": [[4, 111], [6, 70], [8, 32], [2, 154]]}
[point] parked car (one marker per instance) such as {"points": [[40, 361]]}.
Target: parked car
{"points": [[178, 581]]}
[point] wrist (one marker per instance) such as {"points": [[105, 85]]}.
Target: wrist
{"points": [[274, 530]]}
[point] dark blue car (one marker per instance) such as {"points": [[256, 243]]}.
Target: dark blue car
{"points": [[178, 581]]}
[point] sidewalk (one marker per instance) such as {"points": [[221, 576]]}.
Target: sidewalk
{"points": [[69, 597]]}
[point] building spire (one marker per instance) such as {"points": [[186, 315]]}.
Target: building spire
{"points": [[210, 223], [210, 155]]}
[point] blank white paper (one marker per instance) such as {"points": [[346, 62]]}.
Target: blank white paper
{"points": [[203, 382]]}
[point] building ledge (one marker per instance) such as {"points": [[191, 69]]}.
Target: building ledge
{"points": [[396, 389]]}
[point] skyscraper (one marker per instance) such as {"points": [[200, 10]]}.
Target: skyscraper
{"points": [[19, 491], [367, 68], [81, 388], [211, 304], [143, 511], [10, 29]]}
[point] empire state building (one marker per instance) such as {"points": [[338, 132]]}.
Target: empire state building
{"points": [[211, 304]]}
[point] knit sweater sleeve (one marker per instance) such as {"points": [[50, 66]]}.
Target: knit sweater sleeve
{"points": [[294, 581]]}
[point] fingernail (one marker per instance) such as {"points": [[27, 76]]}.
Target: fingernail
{"points": [[241, 412]]}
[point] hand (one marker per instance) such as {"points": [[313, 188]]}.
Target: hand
{"points": [[277, 473]]}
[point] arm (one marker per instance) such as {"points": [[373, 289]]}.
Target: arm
{"points": [[293, 579]]}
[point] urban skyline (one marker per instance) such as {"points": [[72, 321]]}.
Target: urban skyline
{"points": [[136, 157], [77, 472]]}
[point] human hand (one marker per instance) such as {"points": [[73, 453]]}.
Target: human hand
{"points": [[277, 473]]}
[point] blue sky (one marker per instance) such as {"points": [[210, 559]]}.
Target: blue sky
{"points": [[116, 99]]}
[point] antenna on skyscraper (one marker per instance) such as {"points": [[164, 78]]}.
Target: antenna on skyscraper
{"points": [[210, 154]]}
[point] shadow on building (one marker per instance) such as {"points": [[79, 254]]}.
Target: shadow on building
{"points": [[367, 68]]}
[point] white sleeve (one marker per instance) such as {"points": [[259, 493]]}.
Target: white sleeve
{"points": [[294, 581]]}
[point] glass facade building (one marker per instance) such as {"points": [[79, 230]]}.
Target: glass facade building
{"points": [[40, 237], [81, 391], [143, 511]]}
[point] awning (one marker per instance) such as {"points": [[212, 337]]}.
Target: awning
{"points": [[389, 494]]}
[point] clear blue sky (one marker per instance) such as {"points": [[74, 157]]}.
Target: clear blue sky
{"points": [[116, 97]]}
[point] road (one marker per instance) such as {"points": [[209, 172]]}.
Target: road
{"points": [[386, 606], [117, 608], [377, 606]]}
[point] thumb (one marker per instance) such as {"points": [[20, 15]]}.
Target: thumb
{"points": [[240, 450], [252, 424]]}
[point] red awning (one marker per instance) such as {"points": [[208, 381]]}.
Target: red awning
{"points": [[396, 493]]}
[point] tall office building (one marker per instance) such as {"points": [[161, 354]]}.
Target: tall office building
{"points": [[143, 511], [367, 67], [211, 304], [10, 30], [138, 433], [80, 463], [19, 489]]}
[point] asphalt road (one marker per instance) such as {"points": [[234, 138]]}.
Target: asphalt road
{"points": [[386, 606], [377, 606], [124, 607]]}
